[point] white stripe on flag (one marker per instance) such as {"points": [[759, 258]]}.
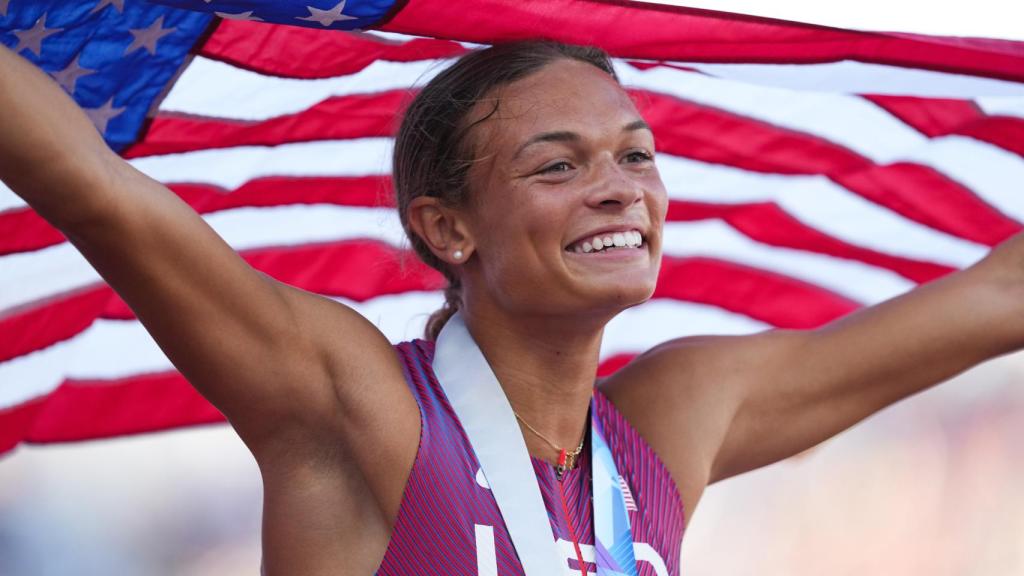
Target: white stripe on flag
{"points": [[217, 89], [850, 121], [860, 282], [232, 167], [1002, 106], [850, 77], [657, 321], [8, 200]]}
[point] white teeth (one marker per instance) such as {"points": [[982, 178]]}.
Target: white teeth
{"points": [[630, 238]]}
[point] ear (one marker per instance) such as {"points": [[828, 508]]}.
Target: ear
{"points": [[442, 229]]}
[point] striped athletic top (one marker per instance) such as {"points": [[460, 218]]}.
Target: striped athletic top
{"points": [[449, 523]]}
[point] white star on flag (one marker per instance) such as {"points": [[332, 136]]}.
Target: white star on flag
{"points": [[240, 16], [101, 116], [148, 37], [32, 39], [70, 75], [326, 17], [117, 4]]}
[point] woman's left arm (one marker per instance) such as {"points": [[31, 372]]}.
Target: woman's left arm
{"points": [[765, 397]]}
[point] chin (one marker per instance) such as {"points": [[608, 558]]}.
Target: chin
{"points": [[619, 295]]}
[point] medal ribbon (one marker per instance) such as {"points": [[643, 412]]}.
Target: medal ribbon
{"points": [[487, 418]]}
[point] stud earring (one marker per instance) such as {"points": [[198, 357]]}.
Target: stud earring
{"points": [[457, 254]]}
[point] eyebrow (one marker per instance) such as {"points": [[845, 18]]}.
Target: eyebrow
{"points": [[567, 136]]}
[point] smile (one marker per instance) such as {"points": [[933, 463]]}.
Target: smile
{"points": [[607, 242]]}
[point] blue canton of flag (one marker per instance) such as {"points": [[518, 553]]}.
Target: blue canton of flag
{"points": [[335, 14], [115, 57]]}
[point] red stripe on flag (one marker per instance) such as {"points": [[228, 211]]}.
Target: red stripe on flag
{"points": [[656, 32], [56, 320], [610, 365], [357, 270], [93, 409], [298, 52], [88, 409], [923, 194], [929, 116], [368, 191], [340, 118], [22, 230], [760, 294], [16, 422], [935, 117], [354, 269], [709, 134], [769, 224], [1007, 132]]}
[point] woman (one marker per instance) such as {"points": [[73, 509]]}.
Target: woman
{"points": [[525, 174]]}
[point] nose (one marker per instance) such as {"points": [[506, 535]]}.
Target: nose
{"points": [[613, 187]]}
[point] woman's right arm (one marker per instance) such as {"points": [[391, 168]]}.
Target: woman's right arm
{"points": [[288, 368]]}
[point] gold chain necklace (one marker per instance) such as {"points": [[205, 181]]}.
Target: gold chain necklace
{"points": [[566, 459]]}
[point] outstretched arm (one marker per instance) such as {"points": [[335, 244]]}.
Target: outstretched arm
{"points": [[737, 403], [281, 364]]}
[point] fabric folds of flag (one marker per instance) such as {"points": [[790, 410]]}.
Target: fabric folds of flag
{"points": [[811, 170]]}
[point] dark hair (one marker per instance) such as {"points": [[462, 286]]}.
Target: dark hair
{"points": [[432, 152]]}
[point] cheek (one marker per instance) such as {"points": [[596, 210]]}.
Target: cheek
{"points": [[530, 223], [657, 194]]}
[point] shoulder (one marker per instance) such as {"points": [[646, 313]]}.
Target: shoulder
{"points": [[680, 398]]}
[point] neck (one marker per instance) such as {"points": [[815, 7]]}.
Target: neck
{"points": [[546, 367]]}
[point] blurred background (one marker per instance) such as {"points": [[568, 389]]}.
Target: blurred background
{"points": [[934, 485]]}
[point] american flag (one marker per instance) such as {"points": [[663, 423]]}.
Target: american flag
{"points": [[811, 170]]}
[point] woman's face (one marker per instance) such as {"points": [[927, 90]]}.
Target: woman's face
{"points": [[567, 205]]}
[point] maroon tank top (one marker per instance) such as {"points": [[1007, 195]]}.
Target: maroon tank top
{"points": [[449, 523]]}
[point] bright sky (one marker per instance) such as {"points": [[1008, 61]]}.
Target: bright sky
{"points": [[980, 18]]}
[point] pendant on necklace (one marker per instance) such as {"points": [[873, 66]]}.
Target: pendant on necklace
{"points": [[563, 465]]}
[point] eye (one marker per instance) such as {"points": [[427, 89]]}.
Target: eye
{"points": [[639, 156], [562, 166]]}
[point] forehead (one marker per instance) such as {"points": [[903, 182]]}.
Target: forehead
{"points": [[564, 95]]}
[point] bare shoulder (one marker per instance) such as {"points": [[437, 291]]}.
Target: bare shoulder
{"points": [[681, 396]]}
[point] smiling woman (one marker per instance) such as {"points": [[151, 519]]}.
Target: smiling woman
{"points": [[525, 174], [481, 122]]}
